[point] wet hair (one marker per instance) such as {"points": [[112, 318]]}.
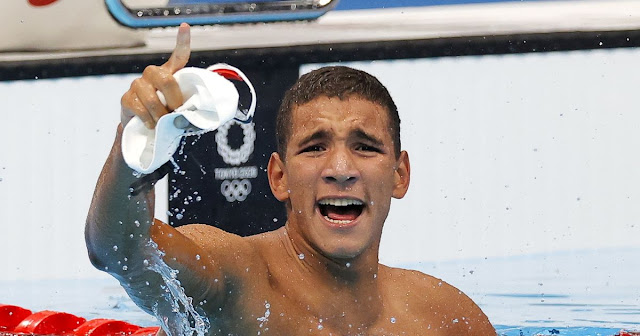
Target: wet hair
{"points": [[334, 81]]}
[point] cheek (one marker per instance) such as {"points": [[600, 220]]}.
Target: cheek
{"points": [[381, 176], [301, 183]]}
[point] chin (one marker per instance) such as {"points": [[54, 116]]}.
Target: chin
{"points": [[344, 251]]}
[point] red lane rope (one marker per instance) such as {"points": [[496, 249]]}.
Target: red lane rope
{"points": [[16, 320]]}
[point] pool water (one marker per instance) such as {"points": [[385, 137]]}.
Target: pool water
{"points": [[572, 293], [575, 331]]}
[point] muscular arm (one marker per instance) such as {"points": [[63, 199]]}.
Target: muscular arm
{"points": [[118, 233], [121, 235]]}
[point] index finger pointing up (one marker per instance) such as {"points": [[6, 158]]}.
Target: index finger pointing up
{"points": [[182, 51]]}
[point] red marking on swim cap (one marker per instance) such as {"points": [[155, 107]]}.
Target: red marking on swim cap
{"points": [[228, 74], [40, 3]]}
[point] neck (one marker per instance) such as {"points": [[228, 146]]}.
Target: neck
{"points": [[336, 288]]}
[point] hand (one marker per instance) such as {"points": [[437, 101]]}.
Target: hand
{"points": [[142, 100]]}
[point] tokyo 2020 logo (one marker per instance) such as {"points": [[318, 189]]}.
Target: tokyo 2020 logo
{"points": [[236, 188]]}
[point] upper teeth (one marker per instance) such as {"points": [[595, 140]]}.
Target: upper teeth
{"points": [[340, 202]]}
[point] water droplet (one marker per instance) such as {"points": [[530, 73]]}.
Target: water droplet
{"points": [[348, 265], [124, 268], [131, 236], [301, 256], [320, 327], [275, 220], [137, 223], [115, 247], [145, 262], [198, 198], [179, 216], [197, 257], [393, 320], [147, 283]]}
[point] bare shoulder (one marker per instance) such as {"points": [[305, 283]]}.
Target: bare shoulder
{"points": [[207, 237], [440, 304], [226, 248]]}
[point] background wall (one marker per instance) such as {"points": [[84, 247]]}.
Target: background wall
{"points": [[515, 154], [511, 156]]}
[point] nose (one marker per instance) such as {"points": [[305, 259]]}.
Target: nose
{"points": [[340, 168]]}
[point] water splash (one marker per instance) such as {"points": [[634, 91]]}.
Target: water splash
{"points": [[175, 313], [264, 319]]}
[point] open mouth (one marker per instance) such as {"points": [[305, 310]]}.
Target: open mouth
{"points": [[340, 210]]}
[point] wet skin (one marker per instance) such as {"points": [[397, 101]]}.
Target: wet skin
{"points": [[321, 276], [339, 149], [318, 275]]}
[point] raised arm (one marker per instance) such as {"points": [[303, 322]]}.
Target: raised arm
{"points": [[121, 235]]}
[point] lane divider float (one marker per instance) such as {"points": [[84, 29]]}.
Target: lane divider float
{"points": [[15, 320]]}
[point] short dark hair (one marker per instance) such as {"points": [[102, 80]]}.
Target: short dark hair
{"points": [[335, 81]]}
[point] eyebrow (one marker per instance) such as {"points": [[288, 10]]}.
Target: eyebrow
{"points": [[321, 134], [361, 134], [357, 133]]}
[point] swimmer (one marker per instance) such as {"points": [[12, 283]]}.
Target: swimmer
{"points": [[337, 167]]}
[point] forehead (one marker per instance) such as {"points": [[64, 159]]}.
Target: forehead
{"points": [[339, 115]]}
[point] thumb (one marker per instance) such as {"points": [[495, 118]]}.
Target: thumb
{"points": [[182, 51]]}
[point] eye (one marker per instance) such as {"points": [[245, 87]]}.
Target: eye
{"points": [[312, 149], [368, 148]]}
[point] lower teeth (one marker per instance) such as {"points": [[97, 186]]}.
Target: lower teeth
{"points": [[338, 221]]}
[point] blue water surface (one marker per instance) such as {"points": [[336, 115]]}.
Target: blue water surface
{"points": [[575, 331], [581, 293]]}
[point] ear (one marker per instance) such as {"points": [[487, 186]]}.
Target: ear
{"points": [[402, 175], [277, 178]]}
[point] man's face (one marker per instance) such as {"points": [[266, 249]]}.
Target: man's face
{"points": [[339, 174]]}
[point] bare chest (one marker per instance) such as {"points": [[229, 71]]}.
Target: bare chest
{"points": [[272, 315]]}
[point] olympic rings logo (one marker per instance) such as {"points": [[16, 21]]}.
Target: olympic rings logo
{"points": [[235, 190]]}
